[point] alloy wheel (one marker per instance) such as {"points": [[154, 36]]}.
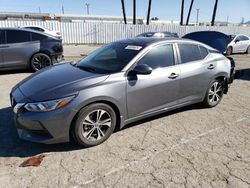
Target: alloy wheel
{"points": [[41, 61], [96, 124], [215, 93]]}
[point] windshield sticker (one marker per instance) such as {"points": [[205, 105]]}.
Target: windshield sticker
{"points": [[131, 47]]}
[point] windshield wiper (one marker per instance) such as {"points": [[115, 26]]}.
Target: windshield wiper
{"points": [[86, 68]]}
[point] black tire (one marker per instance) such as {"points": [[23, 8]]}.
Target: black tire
{"points": [[89, 134], [248, 50], [212, 100], [229, 51], [39, 61]]}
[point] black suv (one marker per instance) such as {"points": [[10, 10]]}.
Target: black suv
{"points": [[25, 48]]}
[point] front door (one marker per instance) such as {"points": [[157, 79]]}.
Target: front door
{"points": [[158, 90]]}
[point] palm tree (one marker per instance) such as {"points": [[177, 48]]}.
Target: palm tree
{"points": [[189, 12], [134, 11], [182, 10], [214, 12], [124, 12], [149, 9]]}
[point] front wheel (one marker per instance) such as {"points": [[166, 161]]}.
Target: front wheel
{"points": [[229, 51], [39, 61], [214, 94], [94, 124]]}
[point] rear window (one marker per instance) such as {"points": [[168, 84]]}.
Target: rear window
{"points": [[204, 52], [189, 52], [16, 36], [37, 36]]}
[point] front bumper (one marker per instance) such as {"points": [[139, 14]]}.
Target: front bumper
{"points": [[45, 127]]}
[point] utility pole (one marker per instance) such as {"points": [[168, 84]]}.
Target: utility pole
{"points": [[182, 10], [227, 19], [149, 10], [87, 6], [197, 16], [124, 12], [214, 12], [189, 12], [134, 12], [62, 9]]}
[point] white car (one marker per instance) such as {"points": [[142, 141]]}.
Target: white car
{"points": [[47, 31], [238, 44]]}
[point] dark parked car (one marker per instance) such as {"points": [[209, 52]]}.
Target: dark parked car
{"points": [[158, 34], [117, 84], [24, 48]]}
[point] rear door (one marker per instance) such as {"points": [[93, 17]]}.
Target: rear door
{"points": [[238, 44], [245, 43], [18, 48], [158, 90], [195, 70]]}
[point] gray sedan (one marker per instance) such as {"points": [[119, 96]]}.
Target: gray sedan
{"points": [[120, 83]]}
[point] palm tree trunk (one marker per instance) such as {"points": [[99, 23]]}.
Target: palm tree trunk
{"points": [[134, 11], [214, 12], [124, 12], [149, 9], [182, 11], [189, 12]]}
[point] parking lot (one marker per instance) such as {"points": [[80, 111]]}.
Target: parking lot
{"points": [[189, 147]]}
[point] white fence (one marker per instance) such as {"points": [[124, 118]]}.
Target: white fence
{"points": [[99, 33]]}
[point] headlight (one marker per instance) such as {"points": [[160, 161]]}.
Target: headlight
{"points": [[48, 105]]}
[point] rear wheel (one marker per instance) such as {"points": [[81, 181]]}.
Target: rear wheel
{"points": [[229, 51], [214, 94], [94, 124], [39, 61]]}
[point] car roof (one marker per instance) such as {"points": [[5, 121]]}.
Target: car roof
{"points": [[26, 29], [146, 41]]}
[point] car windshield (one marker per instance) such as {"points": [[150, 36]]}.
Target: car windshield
{"points": [[110, 58]]}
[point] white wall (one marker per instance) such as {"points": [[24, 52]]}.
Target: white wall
{"points": [[93, 33]]}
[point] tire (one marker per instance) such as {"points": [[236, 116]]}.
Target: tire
{"points": [[214, 94], [229, 51], [39, 61], [94, 124], [248, 50]]}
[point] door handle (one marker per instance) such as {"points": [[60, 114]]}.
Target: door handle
{"points": [[211, 66], [173, 75]]}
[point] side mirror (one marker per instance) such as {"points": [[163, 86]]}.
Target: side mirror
{"points": [[237, 40], [142, 69]]}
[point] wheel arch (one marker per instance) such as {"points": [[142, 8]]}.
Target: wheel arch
{"points": [[114, 106]]}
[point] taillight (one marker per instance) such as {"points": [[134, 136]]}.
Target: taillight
{"points": [[58, 33]]}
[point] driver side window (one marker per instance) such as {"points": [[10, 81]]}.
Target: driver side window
{"points": [[159, 56]]}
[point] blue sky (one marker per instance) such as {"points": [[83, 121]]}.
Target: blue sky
{"points": [[163, 9]]}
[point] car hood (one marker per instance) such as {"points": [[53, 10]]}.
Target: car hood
{"points": [[216, 40], [58, 81]]}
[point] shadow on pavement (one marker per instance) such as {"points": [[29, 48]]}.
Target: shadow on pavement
{"points": [[242, 74], [12, 146], [4, 72]]}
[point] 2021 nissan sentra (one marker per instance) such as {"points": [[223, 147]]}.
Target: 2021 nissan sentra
{"points": [[25, 48], [117, 84]]}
